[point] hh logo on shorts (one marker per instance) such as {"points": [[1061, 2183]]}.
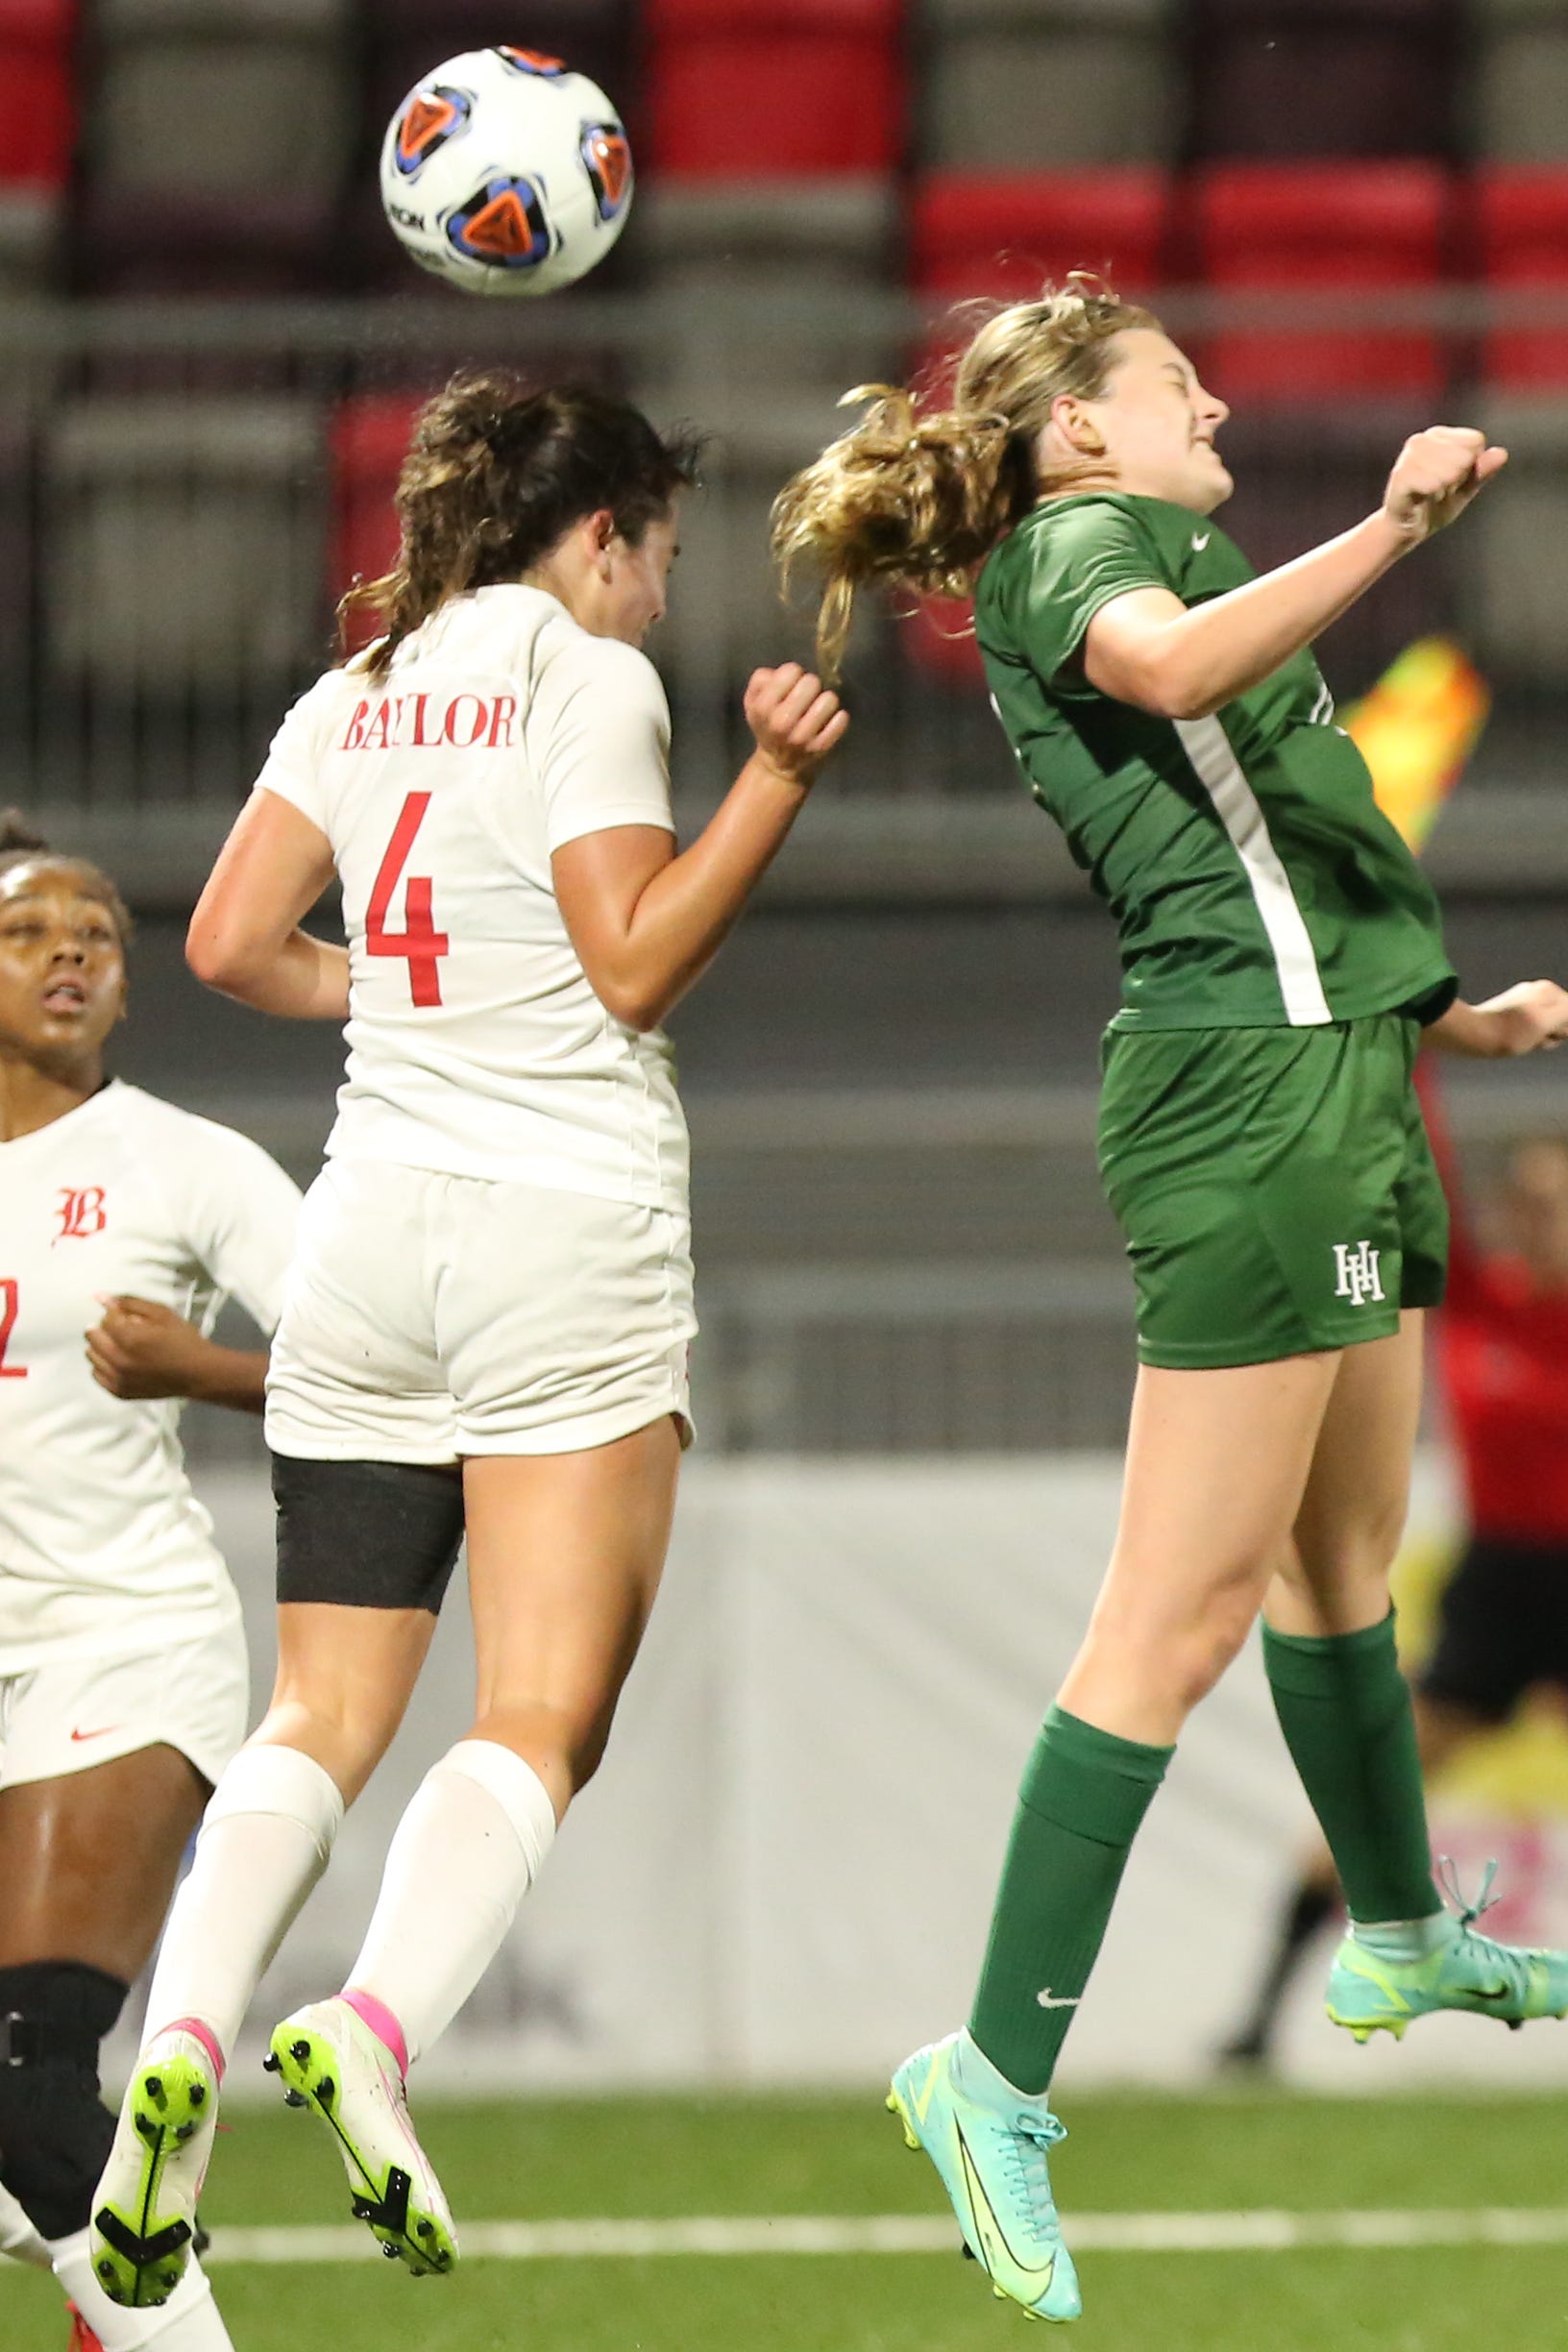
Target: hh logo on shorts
{"points": [[81, 1214], [1355, 1272]]}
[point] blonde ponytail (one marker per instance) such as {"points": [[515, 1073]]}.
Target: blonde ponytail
{"points": [[918, 498]]}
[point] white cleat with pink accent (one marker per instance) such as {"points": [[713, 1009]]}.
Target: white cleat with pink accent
{"points": [[144, 2211], [329, 2060]]}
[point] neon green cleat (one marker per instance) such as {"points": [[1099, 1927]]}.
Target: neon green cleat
{"points": [[145, 2217], [330, 2061], [989, 2143], [1370, 1994]]}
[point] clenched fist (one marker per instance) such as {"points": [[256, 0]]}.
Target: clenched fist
{"points": [[796, 719], [1438, 474], [142, 1350]]}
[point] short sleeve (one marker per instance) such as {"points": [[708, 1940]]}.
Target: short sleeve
{"points": [[599, 736], [239, 1214], [293, 762], [1056, 573]]}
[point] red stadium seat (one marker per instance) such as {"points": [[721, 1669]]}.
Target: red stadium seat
{"points": [[37, 93], [1003, 234], [367, 442], [1520, 218], [1319, 230], [744, 88]]}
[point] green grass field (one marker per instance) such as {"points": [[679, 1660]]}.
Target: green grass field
{"points": [[845, 2158]]}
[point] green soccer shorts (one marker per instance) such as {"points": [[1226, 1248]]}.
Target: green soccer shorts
{"points": [[1275, 1186]]}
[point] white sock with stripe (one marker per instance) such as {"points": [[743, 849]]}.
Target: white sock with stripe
{"points": [[464, 1854]]}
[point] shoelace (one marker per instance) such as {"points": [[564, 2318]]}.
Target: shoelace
{"points": [[1029, 2136], [1512, 1958]]}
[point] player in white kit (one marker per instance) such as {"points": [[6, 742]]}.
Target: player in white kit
{"points": [[488, 1324], [123, 1688]]}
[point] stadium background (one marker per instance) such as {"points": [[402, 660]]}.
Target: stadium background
{"points": [[916, 1348]]}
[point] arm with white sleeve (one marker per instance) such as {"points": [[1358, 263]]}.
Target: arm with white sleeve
{"points": [[237, 1213], [245, 938], [645, 920]]}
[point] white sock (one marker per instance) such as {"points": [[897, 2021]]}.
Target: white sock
{"points": [[18, 2238], [187, 2322], [1404, 1940], [266, 1837], [463, 1856]]}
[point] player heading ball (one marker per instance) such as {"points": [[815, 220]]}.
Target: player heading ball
{"points": [[1261, 1144], [488, 1321]]}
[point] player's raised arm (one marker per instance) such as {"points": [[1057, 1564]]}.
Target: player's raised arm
{"points": [[1151, 649], [646, 923]]}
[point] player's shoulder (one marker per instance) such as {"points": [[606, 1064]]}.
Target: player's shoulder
{"points": [[315, 717], [574, 656], [319, 704], [186, 1144]]}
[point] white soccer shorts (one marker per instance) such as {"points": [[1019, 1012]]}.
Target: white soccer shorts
{"points": [[73, 1712], [428, 1317]]}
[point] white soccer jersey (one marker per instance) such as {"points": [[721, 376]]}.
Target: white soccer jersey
{"points": [[102, 1546], [477, 1046]]}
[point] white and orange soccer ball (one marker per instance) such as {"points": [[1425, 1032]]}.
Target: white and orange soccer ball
{"points": [[506, 173]]}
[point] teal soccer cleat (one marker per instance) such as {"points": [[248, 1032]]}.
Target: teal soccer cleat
{"points": [[1369, 1994], [989, 2143]]}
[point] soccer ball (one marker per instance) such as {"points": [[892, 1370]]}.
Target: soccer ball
{"points": [[506, 173]]}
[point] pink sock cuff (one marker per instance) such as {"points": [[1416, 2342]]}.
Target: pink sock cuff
{"points": [[201, 2033], [381, 2023]]}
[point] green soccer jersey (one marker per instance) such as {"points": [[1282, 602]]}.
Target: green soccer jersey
{"points": [[1254, 878]]}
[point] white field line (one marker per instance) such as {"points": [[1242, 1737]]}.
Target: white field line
{"points": [[1101, 2233]]}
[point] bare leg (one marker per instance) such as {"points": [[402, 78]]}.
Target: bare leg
{"points": [[1342, 1703], [1333, 1575], [88, 1860], [565, 1552], [345, 1678], [1217, 1464], [565, 1555]]}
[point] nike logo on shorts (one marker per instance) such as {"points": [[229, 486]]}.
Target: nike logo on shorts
{"points": [[102, 1732]]}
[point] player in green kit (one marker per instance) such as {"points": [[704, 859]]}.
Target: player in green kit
{"points": [[1260, 1142]]}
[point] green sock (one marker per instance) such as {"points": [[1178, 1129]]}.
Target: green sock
{"points": [[1344, 1708], [1083, 1797]]}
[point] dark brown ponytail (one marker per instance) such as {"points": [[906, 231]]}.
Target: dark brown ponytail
{"points": [[495, 474]]}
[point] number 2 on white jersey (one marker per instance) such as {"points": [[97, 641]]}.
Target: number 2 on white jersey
{"points": [[422, 944], [9, 1296]]}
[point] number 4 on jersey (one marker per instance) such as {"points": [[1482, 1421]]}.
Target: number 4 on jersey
{"points": [[422, 944]]}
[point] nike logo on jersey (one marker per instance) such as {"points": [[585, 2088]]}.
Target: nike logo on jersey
{"points": [[1051, 2001], [993, 2246], [1200, 540], [102, 1732]]}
